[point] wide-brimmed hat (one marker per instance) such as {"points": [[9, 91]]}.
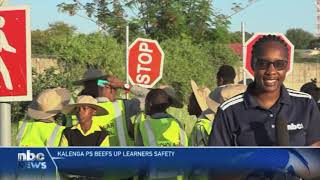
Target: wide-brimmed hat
{"points": [[85, 101], [201, 94], [48, 103], [212, 106], [90, 74], [176, 100]]}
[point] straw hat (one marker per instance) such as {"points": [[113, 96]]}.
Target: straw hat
{"points": [[90, 74], [201, 94], [176, 101], [48, 103], [85, 101], [212, 105]]}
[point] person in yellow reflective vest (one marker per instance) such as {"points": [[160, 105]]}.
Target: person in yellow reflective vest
{"points": [[200, 132], [86, 132], [160, 129], [104, 88], [39, 127], [198, 106]]}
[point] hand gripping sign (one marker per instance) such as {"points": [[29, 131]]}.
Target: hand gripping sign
{"points": [[15, 54], [145, 62]]}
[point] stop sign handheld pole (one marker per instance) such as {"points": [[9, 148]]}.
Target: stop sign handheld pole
{"points": [[243, 52], [127, 57]]}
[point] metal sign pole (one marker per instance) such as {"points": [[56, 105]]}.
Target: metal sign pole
{"points": [[5, 124], [243, 53], [127, 57]]}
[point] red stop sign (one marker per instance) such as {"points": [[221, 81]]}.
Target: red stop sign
{"points": [[145, 62], [248, 49]]}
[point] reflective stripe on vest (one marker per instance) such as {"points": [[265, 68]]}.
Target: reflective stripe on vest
{"points": [[137, 120], [115, 122], [53, 135], [200, 132], [119, 124], [152, 137], [196, 137], [182, 137], [182, 133], [21, 130]]}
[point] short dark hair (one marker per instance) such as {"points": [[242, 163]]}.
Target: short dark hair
{"points": [[312, 89], [258, 46], [157, 100], [90, 88], [308, 87], [227, 73]]}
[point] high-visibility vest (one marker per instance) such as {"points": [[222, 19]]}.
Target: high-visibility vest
{"points": [[162, 132], [115, 123], [199, 137], [38, 134], [137, 119], [71, 120], [200, 133]]}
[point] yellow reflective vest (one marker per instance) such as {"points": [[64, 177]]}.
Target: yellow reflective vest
{"points": [[162, 130], [115, 123], [166, 131], [200, 133], [38, 134]]}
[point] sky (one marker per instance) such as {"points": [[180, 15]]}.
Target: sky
{"points": [[262, 16]]}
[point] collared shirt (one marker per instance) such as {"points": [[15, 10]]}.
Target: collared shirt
{"points": [[240, 121], [93, 129]]}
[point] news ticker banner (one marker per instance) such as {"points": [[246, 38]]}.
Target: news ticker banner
{"points": [[97, 162]]}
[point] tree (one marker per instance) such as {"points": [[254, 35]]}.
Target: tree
{"points": [[93, 50], [220, 33], [201, 20], [60, 28], [236, 37], [314, 44], [299, 38], [39, 42], [159, 20], [108, 14], [41, 38], [185, 60]]}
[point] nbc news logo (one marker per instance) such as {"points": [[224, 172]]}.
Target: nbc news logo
{"points": [[29, 160]]}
